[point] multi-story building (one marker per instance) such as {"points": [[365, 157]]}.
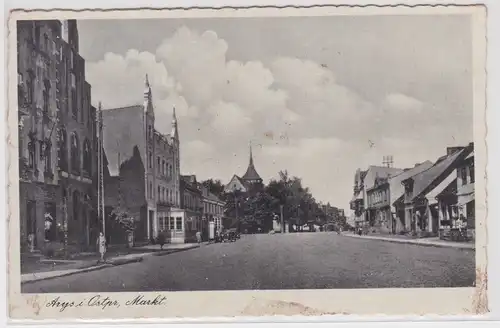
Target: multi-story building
{"points": [[465, 192], [363, 182], [430, 197], [144, 167], [192, 205], [55, 137], [213, 211]]}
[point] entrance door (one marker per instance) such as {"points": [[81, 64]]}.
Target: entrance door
{"points": [[434, 218], [151, 222]]}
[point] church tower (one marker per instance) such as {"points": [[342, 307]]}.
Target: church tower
{"points": [[251, 176], [174, 135]]}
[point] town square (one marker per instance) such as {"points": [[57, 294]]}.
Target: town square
{"points": [[197, 155]]}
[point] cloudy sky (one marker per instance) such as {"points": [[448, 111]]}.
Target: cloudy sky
{"points": [[318, 96]]}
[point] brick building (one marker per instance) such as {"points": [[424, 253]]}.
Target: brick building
{"points": [[144, 167], [56, 130]]}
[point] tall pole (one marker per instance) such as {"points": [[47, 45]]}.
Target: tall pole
{"points": [[65, 224], [100, 157], [282, 221]]}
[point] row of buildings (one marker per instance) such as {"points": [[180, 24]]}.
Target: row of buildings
{"points": [[429, 199], [79, 164]]}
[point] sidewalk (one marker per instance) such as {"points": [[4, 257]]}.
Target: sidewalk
{"points": [[34, 269], [433, 241]]}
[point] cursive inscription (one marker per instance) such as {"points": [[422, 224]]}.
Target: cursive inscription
{"points": [[141, 300], [104, 302]]}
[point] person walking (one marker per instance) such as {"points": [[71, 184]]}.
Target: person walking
{"points": [[101, 245], [198, 236]]}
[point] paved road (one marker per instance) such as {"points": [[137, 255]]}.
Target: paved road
{"points": [[305, 260]]}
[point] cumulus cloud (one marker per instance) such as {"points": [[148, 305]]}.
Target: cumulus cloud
{"points": [[295, 111]]}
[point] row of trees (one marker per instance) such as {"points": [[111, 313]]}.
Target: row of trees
{"points": [[261, 204]]}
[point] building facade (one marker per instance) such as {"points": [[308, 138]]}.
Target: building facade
{"points": [[213, 211], [430, 197], [144, 167], [56, 131], [192, 205], [379, 208]]}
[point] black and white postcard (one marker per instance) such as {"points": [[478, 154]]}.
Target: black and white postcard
{"points": [[247, 162]]}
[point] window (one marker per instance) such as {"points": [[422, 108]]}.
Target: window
{"points": [[72, 59], [163, 167], [150, 190], [170, 171], [75, 154], [46, 101], [463, 175], [159, 192], [32, 153], [62, 150], [150, 160], [178, 224], [472, 173], [171, 223], [47, 152], [159, 165], [73, 80], [29, 89], [87, 158], [75, 205], [45, 42]]}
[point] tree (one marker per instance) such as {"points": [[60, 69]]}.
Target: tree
{"points": [[214, 186]]}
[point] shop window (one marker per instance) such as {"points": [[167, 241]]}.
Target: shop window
{"points": [[178, 224], [172, 223], [50, 222]]}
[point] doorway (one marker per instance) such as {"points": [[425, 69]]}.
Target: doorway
{"points": [[151, 222]]}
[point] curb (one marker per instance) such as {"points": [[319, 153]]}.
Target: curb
{"points": [[114, 263], [172, 251], [64, 274], [396, 241], [88, 269]]}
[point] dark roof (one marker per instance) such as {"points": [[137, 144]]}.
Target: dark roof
{"points": [[123, 131], [425, 179], [251, 173]]}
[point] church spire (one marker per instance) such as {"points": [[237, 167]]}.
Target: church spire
{"points": [[148, 97], [175, 132], [251, 174], [251, 156]]}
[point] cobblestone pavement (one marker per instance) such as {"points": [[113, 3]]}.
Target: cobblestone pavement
{"points": [[288, 261]]}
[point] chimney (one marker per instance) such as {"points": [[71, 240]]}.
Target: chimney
{"points": [[452, 150]]}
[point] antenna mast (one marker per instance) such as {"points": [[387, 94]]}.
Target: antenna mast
{"points": [[387, 160]]}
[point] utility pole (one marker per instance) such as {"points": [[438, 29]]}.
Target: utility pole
{"points": [[282, 221], [65, 225], [100, 164]]}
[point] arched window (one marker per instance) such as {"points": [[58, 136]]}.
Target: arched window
{"points": [[170, 170], [62, 150], [76, 204], [75, 153], [87, 158]]}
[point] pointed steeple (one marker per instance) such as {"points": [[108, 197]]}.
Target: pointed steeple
{"points": [[251, 157], [175, 133], [251, 175], [148, 97]]}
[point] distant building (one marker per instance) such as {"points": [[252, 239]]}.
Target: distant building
{"points": [[188, 222], [56, 138], [213, 211], [144, 167], [247, 181], [364, 182]]}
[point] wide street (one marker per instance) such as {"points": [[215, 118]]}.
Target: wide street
{"points": [[303, 260]]}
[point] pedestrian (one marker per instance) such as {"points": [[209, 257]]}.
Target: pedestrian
{"points": [[101, 244], [198, 237]]}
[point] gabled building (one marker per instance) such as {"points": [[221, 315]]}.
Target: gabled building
{"points": [[396, 189], [431, 189], [365, 181], [213, 211], [245, 183], [144, 167]]}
